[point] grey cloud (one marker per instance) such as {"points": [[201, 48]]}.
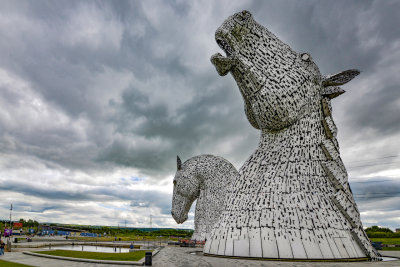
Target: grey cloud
{"points": [[139, 89], [378, 200], [201, 118], [25, 206], [138, 198], [377, 110], [376, 189], [47, 193]]}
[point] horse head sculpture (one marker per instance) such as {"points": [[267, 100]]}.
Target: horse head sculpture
{"points": [[278, 84], [186, 190], [293, 191], [207, 179]]}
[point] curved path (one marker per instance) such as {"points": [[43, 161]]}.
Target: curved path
{"points": [[19, 257], [181, 257]]}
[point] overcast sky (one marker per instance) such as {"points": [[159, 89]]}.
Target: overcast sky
{"points": [[98, 97]]}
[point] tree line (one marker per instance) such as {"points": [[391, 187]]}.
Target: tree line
{"points": [[376, 231]]}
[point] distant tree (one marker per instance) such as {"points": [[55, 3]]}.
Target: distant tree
{"points": [[380, 232], [375, 228], [29, 223]]}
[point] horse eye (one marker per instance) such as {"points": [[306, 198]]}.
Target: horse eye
{"points": [[305, 57], [243, 15]]}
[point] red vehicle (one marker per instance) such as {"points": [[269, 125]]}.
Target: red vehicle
{"points": [[17, 225]]}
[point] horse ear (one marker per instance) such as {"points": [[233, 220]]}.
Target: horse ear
{"points": [[332, 91], [178, 163], [340, 78]]}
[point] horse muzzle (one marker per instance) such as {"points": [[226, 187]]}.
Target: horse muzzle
{"points": [[179, 217]]}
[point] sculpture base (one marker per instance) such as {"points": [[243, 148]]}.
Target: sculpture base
{"points": [[292, 260]]}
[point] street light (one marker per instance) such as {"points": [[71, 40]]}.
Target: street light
{"points": [[11, 226]]}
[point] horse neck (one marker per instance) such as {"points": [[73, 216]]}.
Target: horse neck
{"points": [[207, 170], [212, 178], [213, 184], [307, 131]]}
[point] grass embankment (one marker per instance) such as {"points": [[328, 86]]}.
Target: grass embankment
{"points": [[388, 241], [12, 264], [391, 248], [131, 256], [123, 238]]}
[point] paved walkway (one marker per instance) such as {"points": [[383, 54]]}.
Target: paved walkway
{"points": [[181, 257], [45, 262]]}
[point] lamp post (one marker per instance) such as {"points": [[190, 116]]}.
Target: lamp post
{"points": [[11, 226]]}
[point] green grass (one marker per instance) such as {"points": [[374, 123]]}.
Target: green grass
{"points": [[11, 264], [131, 256], [392, 249], [125, 237], [387, 240]]}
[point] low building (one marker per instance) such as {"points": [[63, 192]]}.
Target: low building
{"points": [[58, 230]]}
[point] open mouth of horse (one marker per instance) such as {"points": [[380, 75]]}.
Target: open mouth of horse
{"points": [[221, 63], [181, 219], [225, 46]]}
